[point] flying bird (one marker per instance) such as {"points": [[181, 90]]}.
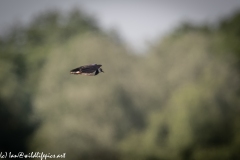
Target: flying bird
{"points": [[88, 70]]}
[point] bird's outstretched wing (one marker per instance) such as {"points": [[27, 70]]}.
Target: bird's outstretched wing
{"points": [[90, 68], [86, 69]]}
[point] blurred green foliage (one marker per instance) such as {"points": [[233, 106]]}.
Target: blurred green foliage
{"points": [[180, 100]]}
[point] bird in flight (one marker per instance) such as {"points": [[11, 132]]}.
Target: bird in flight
{"points": [[88, 70]]}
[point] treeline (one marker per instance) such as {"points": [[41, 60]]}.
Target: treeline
{"points": [[180, 100], [23, 53]]}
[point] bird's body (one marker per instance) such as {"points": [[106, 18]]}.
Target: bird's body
{"points": [[88, 70]]}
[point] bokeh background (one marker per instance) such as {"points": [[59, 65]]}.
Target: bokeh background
{"points": [[171, 87]]}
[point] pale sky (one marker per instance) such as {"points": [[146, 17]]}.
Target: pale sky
{"points": [[137, 21]]}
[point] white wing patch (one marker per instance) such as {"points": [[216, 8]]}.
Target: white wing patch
{"points": [[89, 74]]}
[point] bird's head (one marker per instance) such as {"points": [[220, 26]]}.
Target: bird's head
{"points": [[100, 70]]}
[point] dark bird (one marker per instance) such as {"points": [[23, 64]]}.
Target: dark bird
{"points": [[88, 70]]}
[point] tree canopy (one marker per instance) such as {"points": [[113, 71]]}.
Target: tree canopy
{"points": [[180, 100]]}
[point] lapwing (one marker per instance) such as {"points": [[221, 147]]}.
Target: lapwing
{"points": [[88, 70]]}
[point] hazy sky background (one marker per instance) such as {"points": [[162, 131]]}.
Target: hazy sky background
{"points": [[137, 21]]}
